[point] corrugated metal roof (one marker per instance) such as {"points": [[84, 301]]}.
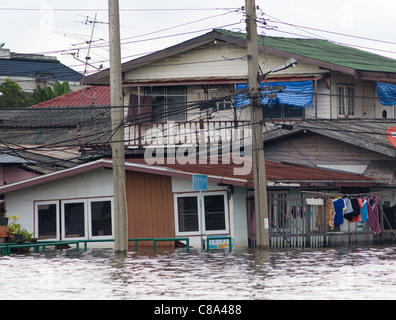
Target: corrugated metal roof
{"points": [[89, 96], [216, 172], [275, 171], [51, 118], [312, 51], [31, 68], [6, 158], [325, 51], [370, 134]]}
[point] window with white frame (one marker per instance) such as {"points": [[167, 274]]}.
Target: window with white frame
{"points": [[47, 220], [346, 100], [100, 217], [193, 216], [169, 103], [74, 219]]}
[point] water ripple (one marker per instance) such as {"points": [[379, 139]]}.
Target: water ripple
{"points": [[357, 273]]}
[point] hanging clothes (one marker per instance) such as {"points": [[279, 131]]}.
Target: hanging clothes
{"points": [[374, 216], [348, 213], [357, 205], [329, 214], [365, 210], [339, 208]]}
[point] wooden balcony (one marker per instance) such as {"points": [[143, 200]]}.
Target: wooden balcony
{"points": [[188, 133]]}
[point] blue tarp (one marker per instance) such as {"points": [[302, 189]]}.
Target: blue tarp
{"points": [[386, 93], [297, 94]]}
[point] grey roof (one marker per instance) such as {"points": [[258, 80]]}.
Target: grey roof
{"points": [[52, 136], [9, 159], [31, 69], [49, 117], [371, 134]]}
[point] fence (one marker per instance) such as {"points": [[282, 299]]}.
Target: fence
{"points": [[297, 223]]}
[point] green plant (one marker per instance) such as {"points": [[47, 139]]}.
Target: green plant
{"points": [[26, 235], [14, 227]]}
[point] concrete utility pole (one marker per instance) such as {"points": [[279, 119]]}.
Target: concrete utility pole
{"points": [[260, 179], [117, 121]]}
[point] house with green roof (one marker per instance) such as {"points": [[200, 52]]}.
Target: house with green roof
{"points": [[200, 79]]}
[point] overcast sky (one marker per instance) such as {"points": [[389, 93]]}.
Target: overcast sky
{"points": [[61, 28]]}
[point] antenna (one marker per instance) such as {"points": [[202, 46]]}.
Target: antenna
{"points": [[87, 58]]}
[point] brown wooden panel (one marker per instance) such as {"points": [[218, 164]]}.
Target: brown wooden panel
{"points": [[150, 206], [310, 148]]}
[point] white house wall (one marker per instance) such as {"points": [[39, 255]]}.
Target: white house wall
{"points": [[99, 184], [321, 109], [213, 60], [236, 209], [367, 104], [239, 217], [89, 185]]}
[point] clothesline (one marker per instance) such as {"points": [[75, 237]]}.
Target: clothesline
{"points": [[362, 207], [365, 194]]}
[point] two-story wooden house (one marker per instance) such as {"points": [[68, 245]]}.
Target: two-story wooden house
{"points": [[198, 80]]}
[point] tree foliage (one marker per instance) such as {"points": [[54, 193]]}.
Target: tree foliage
{"points": [[12, 95]]}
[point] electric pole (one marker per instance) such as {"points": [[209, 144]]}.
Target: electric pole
{"points": [[117, 123], [259, 174]]}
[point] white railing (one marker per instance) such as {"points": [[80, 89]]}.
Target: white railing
{"points": [[178, 133]]}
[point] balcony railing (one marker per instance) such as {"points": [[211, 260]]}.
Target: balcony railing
{"points": [[179, 133]]}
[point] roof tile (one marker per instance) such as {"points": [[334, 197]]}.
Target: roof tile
{"points": [[89, 96]]}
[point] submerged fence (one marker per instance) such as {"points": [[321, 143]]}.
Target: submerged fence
{"points": [[303, 222]]}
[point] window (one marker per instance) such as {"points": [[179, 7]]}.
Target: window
{"points": [[281, 111], [188, 217], [47, 220], [188, 214], [211, 102], [346, 100], [74, 219], [100, 217], [169, 103]]}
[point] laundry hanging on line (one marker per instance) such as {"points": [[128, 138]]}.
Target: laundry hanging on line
{"points": [[357, 209]]}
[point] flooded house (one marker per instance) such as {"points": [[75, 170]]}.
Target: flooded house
{"points": [[77, 203], [326, 136]]}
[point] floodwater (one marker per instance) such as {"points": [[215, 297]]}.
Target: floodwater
{"points": [[304, 274]]}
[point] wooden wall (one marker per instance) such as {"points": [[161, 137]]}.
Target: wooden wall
{"points": [[314, 149], [150, 206]]}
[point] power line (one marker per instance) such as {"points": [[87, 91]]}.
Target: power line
{"points": [[122, 10], [331, 32], [299, 27]]}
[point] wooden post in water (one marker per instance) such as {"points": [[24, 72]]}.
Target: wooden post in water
{"points": [[259, 173], [117, 121]]}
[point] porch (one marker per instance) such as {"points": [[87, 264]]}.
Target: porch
{"points": [[191, 133], [298, 223]]}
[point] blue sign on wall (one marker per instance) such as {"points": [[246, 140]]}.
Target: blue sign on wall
{"points": [[200, 183]]}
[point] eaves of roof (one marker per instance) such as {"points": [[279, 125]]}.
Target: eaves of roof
{"points": [[369, 134], [321, 53], [276, 172]]}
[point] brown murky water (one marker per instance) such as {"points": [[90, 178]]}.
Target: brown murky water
{"points": [[366, 273]]}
